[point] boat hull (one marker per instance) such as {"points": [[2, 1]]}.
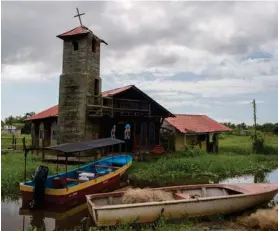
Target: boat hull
{"points": [[176, 209], [75, 195]]}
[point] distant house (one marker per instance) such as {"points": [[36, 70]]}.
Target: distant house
{"points": [[194, 130], [9, 129], [244, 132]]}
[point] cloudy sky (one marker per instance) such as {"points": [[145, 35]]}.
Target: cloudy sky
{"points": [[192, 57]]}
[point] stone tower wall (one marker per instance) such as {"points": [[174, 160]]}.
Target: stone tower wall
{"points": [[76, 90]]}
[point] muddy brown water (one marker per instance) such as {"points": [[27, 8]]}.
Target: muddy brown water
{"points": [[15, 218]]}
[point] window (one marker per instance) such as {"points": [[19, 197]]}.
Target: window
{"points": [[75, 45], [94, 44], [96, 86]]}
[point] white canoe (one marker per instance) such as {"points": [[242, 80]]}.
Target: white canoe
{"points": [[107, 209]]}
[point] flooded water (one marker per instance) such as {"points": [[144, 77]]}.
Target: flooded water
{"points": [[15, 218]]}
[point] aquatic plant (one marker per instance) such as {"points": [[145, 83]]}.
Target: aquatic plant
{"points": [[168, 170]]}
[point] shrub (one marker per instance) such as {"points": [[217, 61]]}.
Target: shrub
{"points": [[258, 142], [193, 151]]}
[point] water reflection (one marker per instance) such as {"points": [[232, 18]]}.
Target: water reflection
{"points": [[16, 217], [63, 219], [262, 177], [37, 222]]}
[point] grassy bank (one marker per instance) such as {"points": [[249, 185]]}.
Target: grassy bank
{"points": [[12, 172], [243, 144], [234, 159], [190, 224], [174, 170]]}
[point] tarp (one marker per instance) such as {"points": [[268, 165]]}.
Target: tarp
{"points": [[85, 145]]}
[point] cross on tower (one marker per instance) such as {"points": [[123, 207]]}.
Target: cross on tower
{"points": [[78, 15]]}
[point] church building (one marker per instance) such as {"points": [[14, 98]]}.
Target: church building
{"points": [[85, 112]]}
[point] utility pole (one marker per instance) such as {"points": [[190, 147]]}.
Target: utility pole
{"points": [[255, 119]]}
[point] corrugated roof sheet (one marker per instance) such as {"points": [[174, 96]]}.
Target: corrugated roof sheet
{"points": [[50, 112], [78, 31], [116, 91], [75, 31], [196, 124], [53, 111]]}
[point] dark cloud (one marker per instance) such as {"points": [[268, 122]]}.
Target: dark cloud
{"points": [[29, 29]]}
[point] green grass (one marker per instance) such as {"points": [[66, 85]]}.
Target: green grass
{"points": [[181, 169], [12, 172], [6, 141], [234, 159], [187, 224], [243, 144], [174, 168]]}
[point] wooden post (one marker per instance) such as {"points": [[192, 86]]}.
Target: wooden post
{"points": [[213, 143], [134, 136], [57, 164], [43, 157], [25, 165], [184, 139], [37, 145], [23, 143], [217, 143], [14, 143], [78, 159], [66, 165]]}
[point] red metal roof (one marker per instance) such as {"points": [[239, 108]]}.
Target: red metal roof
{"points": [[75, 31], [78, 31], [116, 91], [50, 112], [53, 111], [196, 124]]}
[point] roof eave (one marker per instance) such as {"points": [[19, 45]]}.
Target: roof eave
{"points": [[46, 117], [205, 132]]}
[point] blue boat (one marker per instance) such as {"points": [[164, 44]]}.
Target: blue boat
{"points": [[64, 188]]}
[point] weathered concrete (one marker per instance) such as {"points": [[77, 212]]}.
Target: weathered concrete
{"points": [[77, 89]]}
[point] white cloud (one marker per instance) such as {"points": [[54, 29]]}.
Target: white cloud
{"points": [[26, 72], [150, 43]]}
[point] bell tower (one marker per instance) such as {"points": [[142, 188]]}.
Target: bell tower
{"points": [[80, 83]]}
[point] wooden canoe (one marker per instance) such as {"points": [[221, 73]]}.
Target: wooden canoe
{"points": [[107, 209]]}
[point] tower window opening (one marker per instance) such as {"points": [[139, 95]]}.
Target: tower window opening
{"points": [[96, 86], [94, 43], [75, 45]]}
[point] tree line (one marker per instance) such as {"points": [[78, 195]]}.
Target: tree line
{"points": [[266, 127], [19, 122]]}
